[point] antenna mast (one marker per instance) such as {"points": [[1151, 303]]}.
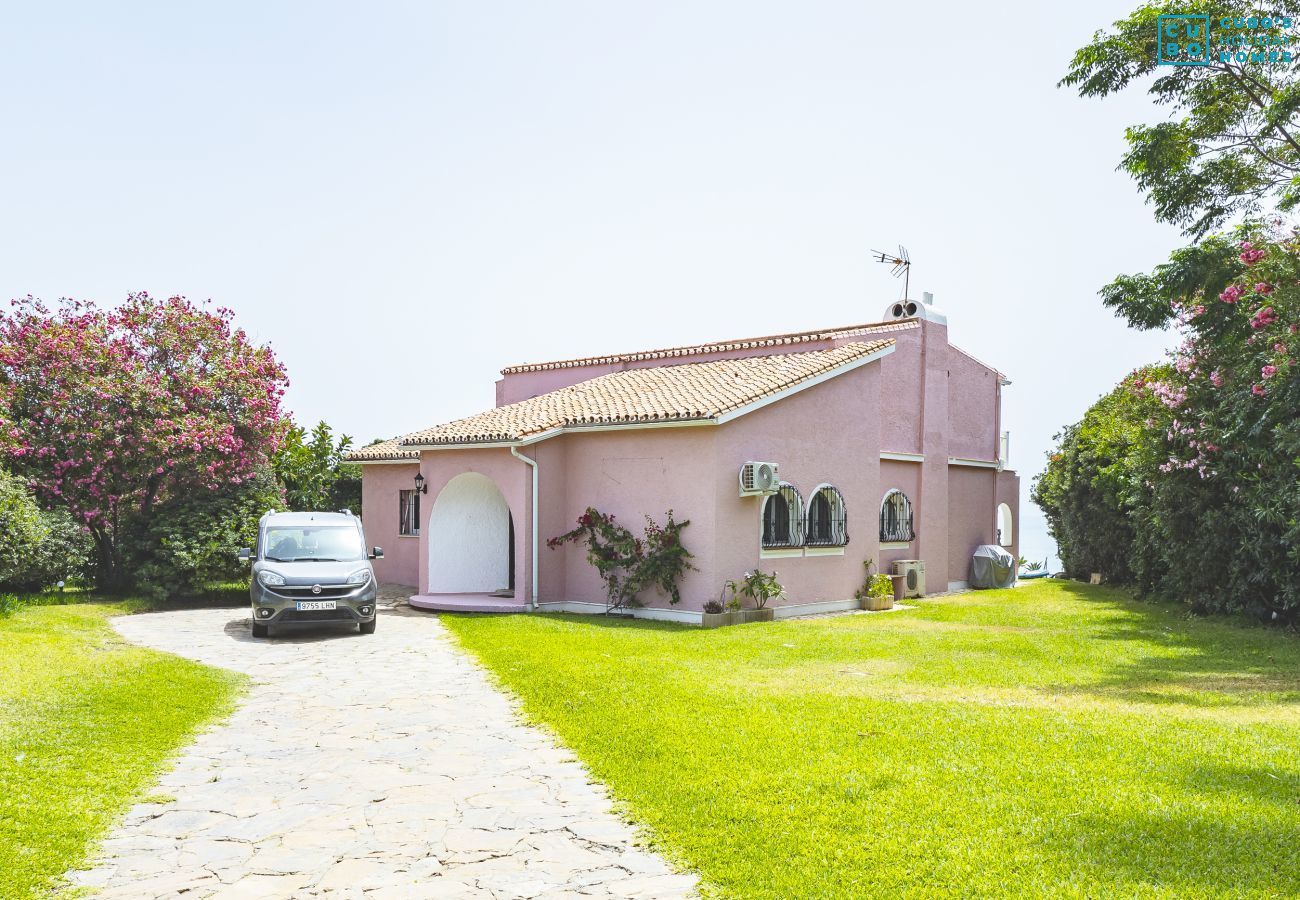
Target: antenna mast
{"points": [[902, 265]]}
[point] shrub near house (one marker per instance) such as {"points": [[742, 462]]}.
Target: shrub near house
{"points": [[182, 406], [1185, 479]]}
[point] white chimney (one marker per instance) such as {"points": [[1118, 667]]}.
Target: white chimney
{"points": [[927, 298]]}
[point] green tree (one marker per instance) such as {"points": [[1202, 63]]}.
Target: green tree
{"points": [[1231, 144], [310, 465], [39, 547], [109, 414], [192, 540], [1095, 483], [1191, 470]]}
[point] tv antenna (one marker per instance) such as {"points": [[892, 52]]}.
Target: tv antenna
{"points": [[902, 265]]}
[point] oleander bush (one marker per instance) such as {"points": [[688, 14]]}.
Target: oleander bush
{"points": [[1185, 480]]}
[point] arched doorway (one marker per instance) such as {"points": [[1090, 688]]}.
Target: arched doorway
{"points": [[471, 538], [1006, 533]]}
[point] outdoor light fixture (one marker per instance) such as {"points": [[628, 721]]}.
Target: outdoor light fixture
{"points": [[420, 486]]}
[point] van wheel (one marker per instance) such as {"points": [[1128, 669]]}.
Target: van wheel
{"points": [[261, 630], [368, 627]]}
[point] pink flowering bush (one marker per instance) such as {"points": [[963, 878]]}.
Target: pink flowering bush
{"points": [[1210, 506], [113, 414]]}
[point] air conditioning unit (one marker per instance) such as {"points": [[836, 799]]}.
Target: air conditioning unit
{"points": [[914, 583], [759, 478]]}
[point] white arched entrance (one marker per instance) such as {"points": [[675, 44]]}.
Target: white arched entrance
{"points": [[1006, 533], [470, 538]]}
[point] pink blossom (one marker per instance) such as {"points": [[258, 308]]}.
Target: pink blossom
{"points": [[1257, 390], [1268, 371], [1264, 288], [1232, 293]]}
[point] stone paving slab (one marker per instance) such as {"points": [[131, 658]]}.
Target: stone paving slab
{"points": [[374, 766]]}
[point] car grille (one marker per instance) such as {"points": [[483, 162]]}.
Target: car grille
{"points": [[304, 591], [317, 615]]}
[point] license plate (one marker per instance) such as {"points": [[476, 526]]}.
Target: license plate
{"points": [[307, 605]]}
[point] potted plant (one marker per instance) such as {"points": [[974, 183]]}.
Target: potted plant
{"points": [[759, 587], [877, 591], [714, 615], [735, 615]]}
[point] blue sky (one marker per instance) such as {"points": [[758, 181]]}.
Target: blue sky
{"points": [[404, 198]]}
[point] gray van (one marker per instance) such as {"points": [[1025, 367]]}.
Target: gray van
{"points": [[311, 567]]}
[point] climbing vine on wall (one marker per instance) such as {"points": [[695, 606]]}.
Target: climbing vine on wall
{"points": [[629, 564]]}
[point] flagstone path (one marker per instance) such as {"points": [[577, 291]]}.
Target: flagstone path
{"points": [[369, 766]]}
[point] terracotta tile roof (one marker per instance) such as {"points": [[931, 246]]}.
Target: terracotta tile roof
{"points": [[387, 451], [683, 392], [775, 340]]}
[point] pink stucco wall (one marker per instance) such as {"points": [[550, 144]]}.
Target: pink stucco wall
{"points": [[972, 408], [900, 393], [972, 516], [629, 474], [379, 517], [905, 477], [827, 434]]}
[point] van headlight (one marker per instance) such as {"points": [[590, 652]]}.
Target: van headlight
{"points": [[270, 579], [359, 577]]}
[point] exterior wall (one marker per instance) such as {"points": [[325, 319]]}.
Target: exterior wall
{"points": [[973, 414], [629, 474], [829, 433], [972, 517], [900, 393], [380, 483], [931, 512], [906, 477]]}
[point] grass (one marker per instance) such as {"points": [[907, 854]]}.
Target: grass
{"points": [[86, 723], [1051, 740]]}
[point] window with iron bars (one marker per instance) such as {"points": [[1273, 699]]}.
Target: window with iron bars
{"points": [[408, 512], [827, 524], [896, 518], [783, 518]]}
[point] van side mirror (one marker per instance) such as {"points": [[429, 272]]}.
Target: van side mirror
{"points": [[376, 552], [245, 554]]}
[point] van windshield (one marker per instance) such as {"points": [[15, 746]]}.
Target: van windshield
{"points": [[312, 543]]}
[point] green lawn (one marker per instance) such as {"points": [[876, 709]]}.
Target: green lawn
{"points": [[1054, 739], [86, 722]]}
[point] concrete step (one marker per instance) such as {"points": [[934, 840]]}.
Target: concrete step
{"points": [[485, 603]]}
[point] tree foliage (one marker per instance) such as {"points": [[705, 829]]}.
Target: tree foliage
{"points": [[37, 547], [110, 414], [1231, 143], [310, 465], [1190, 472], [192, 539]]}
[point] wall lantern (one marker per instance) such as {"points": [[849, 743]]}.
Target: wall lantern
{"points": [[420, 486]]}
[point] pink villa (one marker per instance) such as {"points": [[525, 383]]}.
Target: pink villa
{"points": [[803, 453]]}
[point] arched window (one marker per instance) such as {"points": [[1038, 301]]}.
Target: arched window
{"points": [[782, 513], [896, 518], [827, 520]]}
